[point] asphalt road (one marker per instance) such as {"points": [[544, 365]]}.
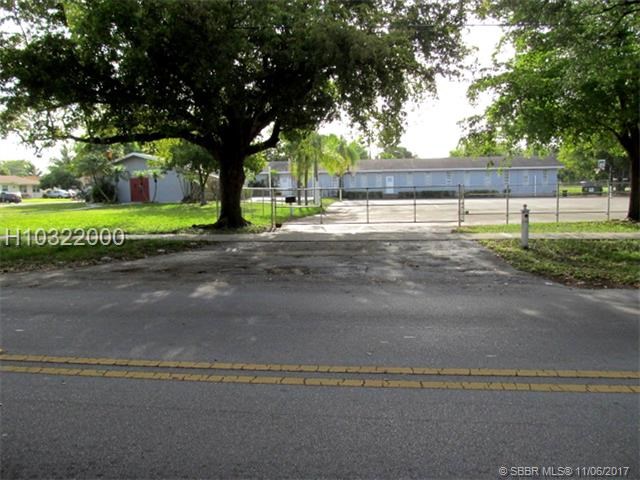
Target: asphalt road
{"points": [[444, 304]]}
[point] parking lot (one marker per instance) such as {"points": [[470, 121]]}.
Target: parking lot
{"points": [[476, 210]]}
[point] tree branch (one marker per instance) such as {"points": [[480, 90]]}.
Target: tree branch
{"points": [[271, 142], [134, 137]]}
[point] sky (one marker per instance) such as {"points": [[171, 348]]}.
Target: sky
{"points": [[431, 128]]}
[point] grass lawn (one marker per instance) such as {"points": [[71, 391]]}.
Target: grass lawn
{"points": [[135, 218], [25, 258], [577, 189], [47, 200], [568, 227], [584, 263]]}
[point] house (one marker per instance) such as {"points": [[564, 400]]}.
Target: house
{"points": [[137, 184], [29, 187], [533, 176]]}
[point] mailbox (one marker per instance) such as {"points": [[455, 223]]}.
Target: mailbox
{"points": [[289, 199]]}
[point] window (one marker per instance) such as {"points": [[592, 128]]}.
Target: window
{"points": [[23, 189], [36, 189], [449, 178], [361, 180], [5, 188], [545, 177], [525, 177], [427, 179], [378, 180]]}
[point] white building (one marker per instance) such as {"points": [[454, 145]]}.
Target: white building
{"points": [[27, 186]]}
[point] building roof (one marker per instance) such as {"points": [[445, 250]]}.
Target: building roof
{"points": [[135, 155], [447, 163], [17, 180]]}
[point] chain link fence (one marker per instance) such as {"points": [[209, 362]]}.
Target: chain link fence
{"points": [[441, 203]]}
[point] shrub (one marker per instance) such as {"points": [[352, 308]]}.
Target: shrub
{"points": [[103, 191]]}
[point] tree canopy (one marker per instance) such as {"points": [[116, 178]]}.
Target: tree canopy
{"points": [[574, 79], [229, 76], [61, 173], [396, 151], [21, 168]]}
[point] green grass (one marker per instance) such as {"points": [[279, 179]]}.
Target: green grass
{"points": [[139, 218], [585, 263], [576, 190], [135, 218], [568, 227], [26, 258], [44, 200]]}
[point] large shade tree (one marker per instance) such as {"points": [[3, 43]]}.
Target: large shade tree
{"points": [[18, 167], [391, 152], [227, 75], [574, 79]]}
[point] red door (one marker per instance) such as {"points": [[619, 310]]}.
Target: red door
{"points": [[139, 189]]}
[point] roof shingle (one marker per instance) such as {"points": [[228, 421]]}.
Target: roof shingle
{"points": [[17, 180]]}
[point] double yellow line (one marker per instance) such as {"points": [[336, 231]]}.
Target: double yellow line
{"points": [[280, 374]]}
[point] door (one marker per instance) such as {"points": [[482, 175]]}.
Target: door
{"points": [[388, 184], [139, 189]]}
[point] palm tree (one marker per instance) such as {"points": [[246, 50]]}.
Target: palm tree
{"points": [[340, 157], [300, 151], [156, 174]]}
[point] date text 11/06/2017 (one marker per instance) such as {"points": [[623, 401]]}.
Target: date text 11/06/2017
{"points": [[65, 237], [564, 471]]}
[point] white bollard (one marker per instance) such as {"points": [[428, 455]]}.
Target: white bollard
{"points": [[524, 227]]}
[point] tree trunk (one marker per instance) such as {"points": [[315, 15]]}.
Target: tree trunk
{"points": [[632, 146], [115, 189], [634, 198], [231, 183], [202, 183], [203, 200], [306, 185]]}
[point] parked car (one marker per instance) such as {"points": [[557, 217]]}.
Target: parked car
{"points": [[10, 197], [56, 193]]}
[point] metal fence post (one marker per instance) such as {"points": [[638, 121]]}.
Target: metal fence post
{"points": [[507, 194], [558, 203], [272, 205], [321, 207], [459, 205], [415, 216], [609, 188], [463, 207], [367, 203]]}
